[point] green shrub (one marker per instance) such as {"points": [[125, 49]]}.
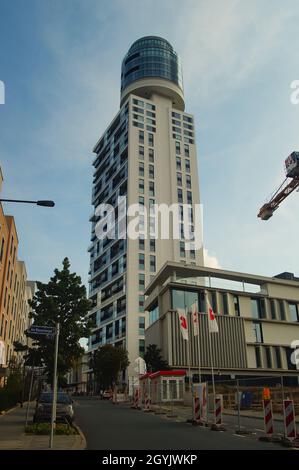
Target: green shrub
{"points": [[44, 429]]}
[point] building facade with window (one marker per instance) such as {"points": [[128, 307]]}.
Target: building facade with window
{"points": [[147, 154], [15, 291], [257, 316]]}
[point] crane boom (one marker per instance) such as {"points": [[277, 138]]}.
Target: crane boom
{"points": [[284, 190]]}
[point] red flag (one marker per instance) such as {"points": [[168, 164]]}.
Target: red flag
{"points": [[183, 323], [213, 326], [195, 319]]}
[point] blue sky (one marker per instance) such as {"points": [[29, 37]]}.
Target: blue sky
{"points": [[60, 62]]}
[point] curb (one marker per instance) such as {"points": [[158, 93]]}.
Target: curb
{"points": [[83, 443]]}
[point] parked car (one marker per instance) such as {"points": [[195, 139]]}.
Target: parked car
{"points": [[64, 408], [107, 394]]}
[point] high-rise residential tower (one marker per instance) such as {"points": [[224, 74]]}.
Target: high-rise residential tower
{"points": [[147, 154]]}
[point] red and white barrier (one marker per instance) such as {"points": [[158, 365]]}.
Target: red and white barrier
{"points": [[196, 409], [218, 411], [289, 419], [268, 417], [146, 403]]}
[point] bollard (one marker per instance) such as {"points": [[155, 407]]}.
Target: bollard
{"points": [[217, 425], [289, 419], [268, 417]]}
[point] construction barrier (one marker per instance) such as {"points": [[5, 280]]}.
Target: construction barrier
{"points": [[196, 409], [146, 403], [218, 411], [289, 419], [268, 417]]}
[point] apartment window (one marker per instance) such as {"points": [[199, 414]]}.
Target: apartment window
{"points": [[277, 357], [138, 103], [151, 187], [8, 271], [282, 310], [186, 150], [225, 304], [178, 163], [187, 166], [268, 357], [189, 197], [141, 325], [141, 347], [176, 115], [141, 303], [293, 312], [214, 301], [138, 110], [141, 137], [151, 155], [138, 118], [141, 243], [141, 261], [258, 357], [177, 147], [151, 202], [152, 245], [182, 249], [141, 186], [236, 306], [257, 332], [141, 152], [151, 171], [273, 309], [179, 179], [141, 280], [150, 114], [180, 195], [175, 122], [141, 169], [150, 106], [152, 263], [2, 250], [140, 125], [141, 200], [151, 140], [192, 254], [176, 129], [258, 308], [5, 298], [188, 181]]}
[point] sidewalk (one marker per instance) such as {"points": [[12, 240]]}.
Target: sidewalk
{"points": [[12, 436]]}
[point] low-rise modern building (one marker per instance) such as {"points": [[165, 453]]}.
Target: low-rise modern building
{"points": [[257, 316]]}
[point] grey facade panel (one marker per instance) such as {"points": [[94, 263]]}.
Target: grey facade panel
{"points": [[228, 346]]}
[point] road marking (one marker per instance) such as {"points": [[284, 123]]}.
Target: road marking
{"points": [[261, 430], [238, 435]]}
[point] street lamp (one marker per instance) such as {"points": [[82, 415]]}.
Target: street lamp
{"points": [[38, 203]]}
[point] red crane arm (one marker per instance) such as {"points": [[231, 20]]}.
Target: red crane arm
{"points": [[266, 211]]}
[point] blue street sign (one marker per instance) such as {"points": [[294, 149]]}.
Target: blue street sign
{"points": [[42, 330]]}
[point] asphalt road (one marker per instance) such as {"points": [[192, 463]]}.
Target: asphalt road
{"points": [[107, 426]]}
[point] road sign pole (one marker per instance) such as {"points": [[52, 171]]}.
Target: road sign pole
{"points": [[53, 417], [30, 393]]}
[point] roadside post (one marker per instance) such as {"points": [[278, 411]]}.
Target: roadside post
{"points": [[36, 330], [289, 419], [53, 417]]}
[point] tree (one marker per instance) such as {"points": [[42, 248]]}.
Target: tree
{"points": [[154, 360], [107, 362], [63, 300]]}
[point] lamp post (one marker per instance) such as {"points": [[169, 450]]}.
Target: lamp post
{"points": [[44, 203]]}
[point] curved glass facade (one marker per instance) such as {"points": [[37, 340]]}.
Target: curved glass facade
{"points": [[151, 56]]}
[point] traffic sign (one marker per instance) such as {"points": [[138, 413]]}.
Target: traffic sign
{"points": [[42, 330]]}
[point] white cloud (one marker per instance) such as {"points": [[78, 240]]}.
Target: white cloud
{"points": [[211, 260]]}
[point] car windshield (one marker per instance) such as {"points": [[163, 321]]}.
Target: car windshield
{"points": [[61, 398]]}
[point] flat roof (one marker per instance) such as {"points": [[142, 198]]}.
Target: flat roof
{"points": [[190, 270]]}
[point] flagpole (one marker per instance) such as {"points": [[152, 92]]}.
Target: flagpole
{"points": [[211, 356], [188, 346], [198, 345]]}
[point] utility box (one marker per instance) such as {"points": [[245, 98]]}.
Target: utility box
{"points": [[292, 165]]}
